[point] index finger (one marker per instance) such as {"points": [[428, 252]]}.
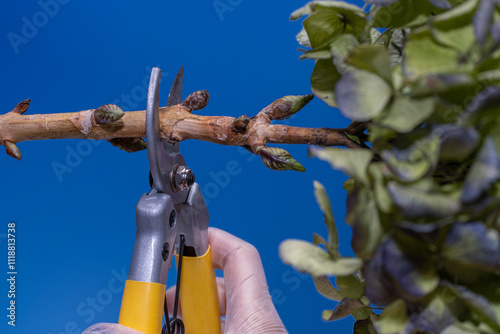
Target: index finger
{"points": [[244, 275]]}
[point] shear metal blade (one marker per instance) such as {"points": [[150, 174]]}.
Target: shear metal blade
{"points": [[175, 95]]}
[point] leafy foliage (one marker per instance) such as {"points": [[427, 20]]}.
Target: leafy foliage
{"points": [[423, 80]]}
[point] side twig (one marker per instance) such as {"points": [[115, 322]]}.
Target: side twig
{"points": [[178, 123]]}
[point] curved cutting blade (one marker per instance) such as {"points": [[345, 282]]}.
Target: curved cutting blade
{"points": [[175, 95]]}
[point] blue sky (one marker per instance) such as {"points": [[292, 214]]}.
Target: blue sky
{"points": [[75, 230]]}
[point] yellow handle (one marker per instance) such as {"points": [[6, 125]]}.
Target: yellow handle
{"points": [[199, 297], [142, 306]]}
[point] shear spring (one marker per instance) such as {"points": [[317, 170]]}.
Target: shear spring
{"points": [[175, 325]]}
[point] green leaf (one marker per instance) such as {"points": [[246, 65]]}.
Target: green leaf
{"points": [[353, 138], [419, 203], [396, 46], [327, 20], [473, 244], [350, 286], [341, 48], [312, 6], [305, 257], [361, 95], [435, 317], [379, 286], [450, 86], [278, 159], [477, 304], [405, 113], [323, 80], [365, 221], [349, 185], [424, 56], [108, 113], [343, 309], [483, 173], [489, 77], [444, 4], [484, 104], [382, 197], [482, 19], [495, 31], [325, 206], [457, 142], [460, 328], [303, 39], [364, 327], [381, 2], [326, 289], [321, 54], [362, 313], [352, 162], [372, 58], [414, 162], [319, 240], [452, 28], [415, 278], [379, 136], [403, 14], [394, 319]]}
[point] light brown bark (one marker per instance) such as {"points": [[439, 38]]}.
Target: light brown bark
{"points": [[177, 124]]}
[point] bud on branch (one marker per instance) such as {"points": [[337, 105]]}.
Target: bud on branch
{"points": [[126, 130]]}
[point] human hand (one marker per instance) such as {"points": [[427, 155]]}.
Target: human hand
{"points": [[244, 297], [106, 328]]}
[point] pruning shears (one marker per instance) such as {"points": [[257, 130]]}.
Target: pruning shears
{"points": [[171, 218]]}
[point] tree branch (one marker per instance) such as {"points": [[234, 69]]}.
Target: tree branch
{"points": [[177, 123]]}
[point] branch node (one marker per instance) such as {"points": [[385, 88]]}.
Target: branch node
{"points": [[82, 121], [240, 124]]}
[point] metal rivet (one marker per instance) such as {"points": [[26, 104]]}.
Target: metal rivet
{"points": [[172, 218], [165, 252]]}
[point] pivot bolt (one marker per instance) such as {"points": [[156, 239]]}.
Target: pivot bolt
{"points": [[182, 178]]}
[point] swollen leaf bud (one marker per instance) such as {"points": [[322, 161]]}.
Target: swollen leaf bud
{"points": [[108, 113], [21, 107], [12, 149], [286, 106], [240, 124], [130, 145], [196, 101], [278, 159]]}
